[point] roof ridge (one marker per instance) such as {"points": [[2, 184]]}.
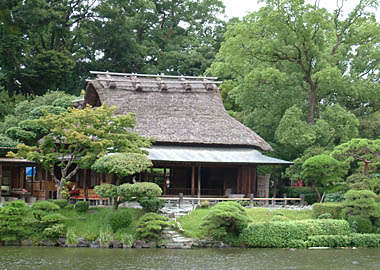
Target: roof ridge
{"points": [[153, 75]]}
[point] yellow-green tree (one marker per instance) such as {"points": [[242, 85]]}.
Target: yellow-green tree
{"points": [[77, 138]]}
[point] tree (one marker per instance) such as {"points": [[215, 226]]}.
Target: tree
{"points": [[360, 154], [178, 37], [77, 138], [322, 170], [290, 53]]}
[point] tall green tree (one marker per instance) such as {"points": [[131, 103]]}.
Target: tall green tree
{"points": [[154, 36], [77, 138], [290, 53]]}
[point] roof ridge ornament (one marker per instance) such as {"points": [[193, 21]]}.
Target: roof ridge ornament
{"points": [[185, 84], [162, 86], [208, 85], [136, 84]]}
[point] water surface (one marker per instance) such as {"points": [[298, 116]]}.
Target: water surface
{"points": [[14, 258]]}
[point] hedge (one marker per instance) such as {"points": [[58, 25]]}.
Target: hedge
{"points": [[352, 240], [285, 234], [335, 209]]}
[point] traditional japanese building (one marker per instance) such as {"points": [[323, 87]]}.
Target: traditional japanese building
{"points": [[200, 147]]}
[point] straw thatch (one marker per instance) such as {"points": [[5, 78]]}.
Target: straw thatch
{"points": [[173, 110]]}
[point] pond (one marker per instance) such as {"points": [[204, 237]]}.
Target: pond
{"points": [[75, 258]]}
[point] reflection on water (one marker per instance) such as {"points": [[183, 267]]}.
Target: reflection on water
{"points": [[13, 258]]}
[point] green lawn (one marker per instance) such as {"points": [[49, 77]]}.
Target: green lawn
{"points": [[192, 222]]}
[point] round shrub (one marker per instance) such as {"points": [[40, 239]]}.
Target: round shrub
{"points": [[334, 209], [360, 224], [62, 203], [151, 204], [52, 219], [42, 208], [13, 224], [225, 218], [325, 216], [119, 219], [54, 232], [150, 226], [205, 204], [81, 206]]}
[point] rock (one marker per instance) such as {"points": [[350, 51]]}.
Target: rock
{"points": [[176, 245], [355, 262], [48, 243], [218, 245], [150, 244], [95, 244], [104, 245], [116, 244], [83, 242], [127, 246], [27, 243], [61, 241], [138, 244]]}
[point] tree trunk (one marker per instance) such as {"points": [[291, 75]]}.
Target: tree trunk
{"points": [[317, 191], [312, 97], [116, 203]]}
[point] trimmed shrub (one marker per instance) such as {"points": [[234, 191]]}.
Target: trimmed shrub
{"points": [[365, 240], [150, 226], [62, 203], [119, 219], [334, 209], [281, 234], [329, 241], [335, 197], [361, 203], [360, 224], [81, 206], [54, 232], [52, 219], [325, 216], [146, 190], [13, 224], [205, 204], [226, 218], [151, 204], [42, 208]]}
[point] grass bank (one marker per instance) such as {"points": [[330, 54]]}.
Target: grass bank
{"points": [[192, 222]]}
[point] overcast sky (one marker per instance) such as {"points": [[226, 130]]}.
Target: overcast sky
{"points": [[240, 8]]}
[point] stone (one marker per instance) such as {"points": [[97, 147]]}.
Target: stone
{"points": [[127, 246], [150, 244], [138, 244], [49, 243], [61, 241], [117, 244], [95, 244], [83, 242], [26, 243], [218, 245]]}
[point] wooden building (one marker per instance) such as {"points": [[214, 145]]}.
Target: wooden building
{"points": [[200, 148]]}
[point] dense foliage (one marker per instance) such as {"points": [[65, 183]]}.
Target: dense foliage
{"points": [[79, 137], [150, 226], [225, 221], [119, 220], [290, 233]]}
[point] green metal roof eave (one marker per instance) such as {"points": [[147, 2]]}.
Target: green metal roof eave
{"points": [[211, 155]]}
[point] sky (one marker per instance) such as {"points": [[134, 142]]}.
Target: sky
{"points": [[240, 8]]}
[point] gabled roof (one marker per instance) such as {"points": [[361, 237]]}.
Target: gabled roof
{"points": [[172, 109]]}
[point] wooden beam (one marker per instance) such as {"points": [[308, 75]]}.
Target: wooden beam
{"points": [[192, 181], [254, 179], [238, 181]]}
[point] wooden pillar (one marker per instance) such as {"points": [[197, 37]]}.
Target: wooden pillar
{"points": [[199, 181], [249, 181], [1, 178], [254, 180], [192, 181], [85, 184], [31, 189], [151, 174], [274, 181], [238, 181], [164, 181], [22, 177]]}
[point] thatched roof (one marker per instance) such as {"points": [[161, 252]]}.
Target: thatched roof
{"points": [[172, 109]]}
